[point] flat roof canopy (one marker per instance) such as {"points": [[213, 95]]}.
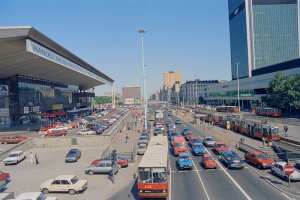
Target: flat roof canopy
{"points": [[25, 51]]}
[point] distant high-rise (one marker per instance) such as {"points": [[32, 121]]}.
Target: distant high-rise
{"points": [[262, 33], [131, 93], [171, 77]]}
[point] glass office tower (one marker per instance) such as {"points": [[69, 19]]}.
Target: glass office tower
{"points": [[262, 33]]}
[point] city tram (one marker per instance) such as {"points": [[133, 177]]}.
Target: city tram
{"points": [[153, 169], [268, 112]]}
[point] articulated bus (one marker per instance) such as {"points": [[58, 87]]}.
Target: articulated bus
{"points": [[153, 169]]}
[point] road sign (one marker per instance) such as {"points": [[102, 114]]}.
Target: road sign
{"points": [[288, 169], [136, 100]]}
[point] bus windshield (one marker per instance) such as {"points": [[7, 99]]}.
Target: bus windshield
{"points": [[145, 176], [159, 175]]}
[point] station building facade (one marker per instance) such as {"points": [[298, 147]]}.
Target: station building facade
{"points": [[38, 75]]}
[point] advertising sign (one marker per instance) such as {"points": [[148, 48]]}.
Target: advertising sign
{"points": [[4, 111], [3, 90], [26, 110], [57, 106], [129, 101], [136, 100]]}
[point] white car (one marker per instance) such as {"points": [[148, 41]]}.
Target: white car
{"points": [[278, 170], [14, 157], [34, 196], [85, 131], [64, 183]]}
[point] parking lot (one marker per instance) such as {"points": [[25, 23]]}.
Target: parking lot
{"points": [[27, 178]]}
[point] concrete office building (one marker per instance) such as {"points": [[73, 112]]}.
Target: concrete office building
{"points": [[194, 91], [262, 33], [38, 75], [171, 88], [264, 39], [171, 77], [130, 93]]}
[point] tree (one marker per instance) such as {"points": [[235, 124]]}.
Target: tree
{"points": [[283, 92], [104, 99]]}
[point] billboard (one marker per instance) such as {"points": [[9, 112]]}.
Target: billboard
{"points": [[131, 101]]}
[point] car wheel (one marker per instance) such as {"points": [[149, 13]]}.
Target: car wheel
{"points": [[72, 192], [45, 191], [91, 172]]}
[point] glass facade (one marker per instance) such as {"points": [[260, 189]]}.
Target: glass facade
{"points": [[238, 38], [275, 33]]}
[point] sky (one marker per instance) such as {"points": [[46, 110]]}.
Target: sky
{"points": [[190, 36]]}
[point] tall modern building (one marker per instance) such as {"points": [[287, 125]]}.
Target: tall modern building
{"points": [[262, 33], [130, 93]]}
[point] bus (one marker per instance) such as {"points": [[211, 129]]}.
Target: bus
{"points": [[153, 170], [179, 145]]}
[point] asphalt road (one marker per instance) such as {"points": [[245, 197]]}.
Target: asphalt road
{"points": [[221, 183]]}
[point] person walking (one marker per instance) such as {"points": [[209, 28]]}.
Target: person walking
{"points": [[263, 141], [31, 158], [126, 138], [285, 129], [36, 157]]}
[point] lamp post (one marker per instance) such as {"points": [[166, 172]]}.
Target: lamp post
{"points": [[142, 32], [238, 85], [196, 90]]}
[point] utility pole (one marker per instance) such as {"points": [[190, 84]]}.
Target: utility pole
{"points": [[142, 32]]}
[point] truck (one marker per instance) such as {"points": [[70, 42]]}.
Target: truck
{"points": [[159, 115]]}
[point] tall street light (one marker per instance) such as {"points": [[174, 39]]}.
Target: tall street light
{"points": [[196, 90], [142, 32], [238, 85]]}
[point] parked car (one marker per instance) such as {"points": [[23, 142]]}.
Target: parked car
{"points": [[121, 160], [184, 161], [259, 159], [12, 139], [198, 148], [177, 121], [14, 157], [220, 147], [232, 160], [85, 131], [209, 141], [209, 161], [34, 196], [278, 170], [141, 149], [4, 176], [73, 155], [104, 167], [64, 183], [55, 133]]}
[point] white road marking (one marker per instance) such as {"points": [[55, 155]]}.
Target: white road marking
{"points": [[287, 196], [170, 185], [201, 181]]}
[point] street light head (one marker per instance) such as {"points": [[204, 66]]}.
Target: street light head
{"points": [[142, 31]]}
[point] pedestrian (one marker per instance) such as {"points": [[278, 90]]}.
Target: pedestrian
{"points": [[263, 141], [36, 156], [126, 138], [285, 129], [242, 140], [31, 158]]}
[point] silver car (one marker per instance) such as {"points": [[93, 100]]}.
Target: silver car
{"points": [[142, 149], [209, 141], [104, 167]]}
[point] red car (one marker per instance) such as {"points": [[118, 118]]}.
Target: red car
{"points": [[188, 136], [12, 139], [120, 160], [220, 147], [259, 159], [4, 176], [56, 133], [46, 128], [209, 161]]}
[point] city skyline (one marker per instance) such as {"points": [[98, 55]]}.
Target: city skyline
{"points": [[179, 37]]}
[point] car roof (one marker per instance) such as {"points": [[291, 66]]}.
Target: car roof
{"points": [[142, 144], [184, 155], [257, 152], [208, 155], [230, 152], [65, 177], [197, 143], [29, 195], [281, 163], [16, 152], [208, 137]]}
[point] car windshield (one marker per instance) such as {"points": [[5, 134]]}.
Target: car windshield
{"points": [[74, 180], [233, 156], [13, 155], [262, 156], [174, 134], [210, 158], [72, 152], [179, 145], [221, 145], [209, 139], [198, 146], [142, 147]]}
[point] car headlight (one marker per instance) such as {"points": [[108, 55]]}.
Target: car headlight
{"points": [[141, 191], [164, 191]]}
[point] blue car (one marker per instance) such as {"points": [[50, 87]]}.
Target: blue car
{"points": [[198, 148], [185, 161], [232, 160]]}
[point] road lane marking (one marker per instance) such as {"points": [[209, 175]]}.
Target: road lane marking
{"points": [[287, 196], [230, 177], [201, 181], [170, 187]]}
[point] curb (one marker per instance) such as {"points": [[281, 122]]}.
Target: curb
{"points": [[276, 187]]}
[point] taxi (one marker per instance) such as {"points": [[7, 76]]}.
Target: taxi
{"points": [[209, 161]]}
